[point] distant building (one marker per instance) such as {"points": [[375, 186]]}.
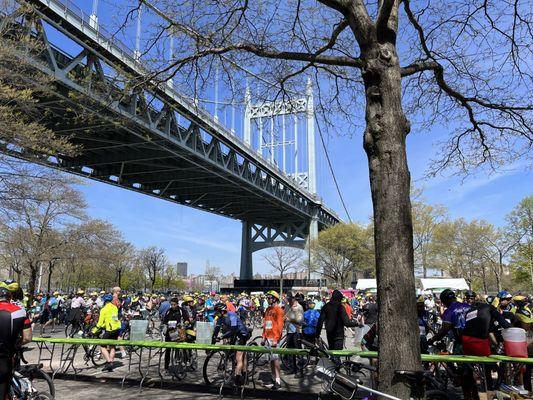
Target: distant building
{"points": [[181, 269]]}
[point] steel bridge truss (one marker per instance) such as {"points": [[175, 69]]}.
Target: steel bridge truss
{"points": [[146, 138]]}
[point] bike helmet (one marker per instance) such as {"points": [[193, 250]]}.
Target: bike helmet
{"points": [[187, 298], [505, 295], [447, 295], [273, 293], [470, 294], [420, 299], [11, 285], [520, 300], [106, 298]]}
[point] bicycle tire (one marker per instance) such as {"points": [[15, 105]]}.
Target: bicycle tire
{"points": [[178, 364], [287, 359], [97, 358], [40, 380], [214, 366]]}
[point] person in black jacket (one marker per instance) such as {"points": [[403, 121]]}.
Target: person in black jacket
{"points": [[173, 318], [334, 315]]}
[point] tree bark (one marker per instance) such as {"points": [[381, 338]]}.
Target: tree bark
{"points": [[31, 283], [384, 142]]}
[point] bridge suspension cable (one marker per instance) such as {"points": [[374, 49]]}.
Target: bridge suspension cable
{"points": [[331, 170]]}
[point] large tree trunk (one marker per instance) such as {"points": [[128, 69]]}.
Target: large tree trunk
{"points": [[384, 143]]}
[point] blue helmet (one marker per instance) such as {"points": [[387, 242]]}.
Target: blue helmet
{"points": [[504, 294], [107, 297]]}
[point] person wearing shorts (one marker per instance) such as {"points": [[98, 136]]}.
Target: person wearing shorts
{"points": [[273, 323], [108, 321], [233, 329]]}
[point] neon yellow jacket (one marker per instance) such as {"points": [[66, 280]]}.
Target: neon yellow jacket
{"points": [[108, 319]]}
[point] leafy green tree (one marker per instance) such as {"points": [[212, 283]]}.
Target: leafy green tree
{"points": [[426, 218], [344, 251], [520, 225]]}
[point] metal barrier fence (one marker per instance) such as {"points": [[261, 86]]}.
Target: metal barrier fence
{"points": [[145, 357], [260, 349]]}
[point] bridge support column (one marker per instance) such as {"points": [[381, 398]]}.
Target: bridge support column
{"points": [[246, 251]]}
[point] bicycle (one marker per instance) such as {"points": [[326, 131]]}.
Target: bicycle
{"points": [[39, 380], [219, 370], [342, 379]]}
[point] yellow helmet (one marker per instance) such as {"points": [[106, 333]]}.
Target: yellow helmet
{"points": [[187, 298], [94, 294], [273, 293], [81, 291], [420, 299], [102, 291], [12, 286], [56, 293]]}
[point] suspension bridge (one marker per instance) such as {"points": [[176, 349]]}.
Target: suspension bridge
{"points": [[154, 140]]}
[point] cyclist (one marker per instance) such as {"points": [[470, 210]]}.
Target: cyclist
{"points": [[272, 331], [294, 316], [53, 305], [172, 320], [505, 307], [476, 336], [234, 329], [210, 307], [524, 320], [334, 315], [189, 310], [76, 309], [16, 330], [310, 321], [225, 299], [454, 321], [108, 321], [470, 297], [423, 324]]}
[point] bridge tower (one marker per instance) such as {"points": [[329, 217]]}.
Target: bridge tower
{"points": [[278, 138]]}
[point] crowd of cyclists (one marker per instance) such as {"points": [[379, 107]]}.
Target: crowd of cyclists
{"points": [[457, 322]]}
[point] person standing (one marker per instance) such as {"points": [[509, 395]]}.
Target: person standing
{"points": [[172, 320], [294, 316], [335, 318], [310, 321], [76, 309], [109, 322], [370, 313], [272, 331], [16, 329]]}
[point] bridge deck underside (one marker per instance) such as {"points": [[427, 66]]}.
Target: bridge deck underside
{"points": [[112, 152]]}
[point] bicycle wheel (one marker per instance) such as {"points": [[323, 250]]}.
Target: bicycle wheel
{"points": [[97, 357], [288, 360], [214, 368], [70, 330], [39, 379], [178, 364]]}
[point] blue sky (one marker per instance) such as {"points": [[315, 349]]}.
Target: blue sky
{"points": [[195, 237]]}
